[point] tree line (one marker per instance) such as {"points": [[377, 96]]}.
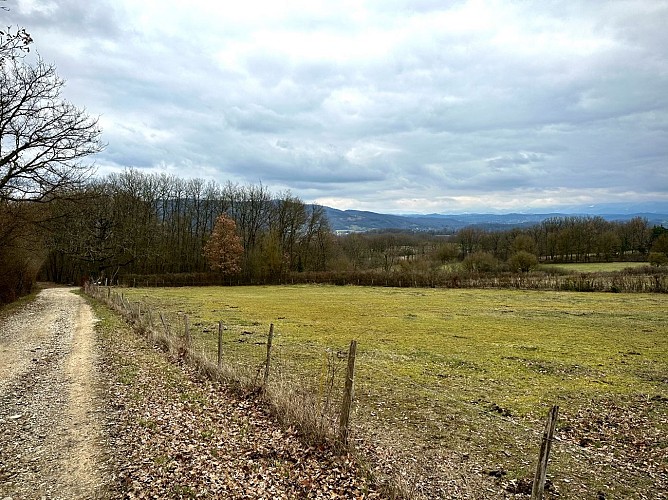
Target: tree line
{"points": [[565, 239], [135, 223], [139, 223], [556, 239]]}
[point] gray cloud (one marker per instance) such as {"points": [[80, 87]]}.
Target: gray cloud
{"points": [[391, 106]]}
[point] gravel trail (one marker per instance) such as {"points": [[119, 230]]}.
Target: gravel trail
{"points": [[51, 431]]}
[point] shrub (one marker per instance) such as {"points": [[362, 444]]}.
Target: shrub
{"points": [[446, 252], [480, 262], [522, 262], [658, 259]]}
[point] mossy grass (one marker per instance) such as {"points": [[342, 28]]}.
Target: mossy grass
{"points": [[525, 348], [470, 371]]}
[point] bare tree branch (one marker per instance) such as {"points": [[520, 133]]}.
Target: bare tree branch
{"points": [[43, 138], [14, 42]]}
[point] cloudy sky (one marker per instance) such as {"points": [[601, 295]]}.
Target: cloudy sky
{"points": [[387, 105]]}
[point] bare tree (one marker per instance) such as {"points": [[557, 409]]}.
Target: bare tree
{"points": [[43, 138], [289, 223]]}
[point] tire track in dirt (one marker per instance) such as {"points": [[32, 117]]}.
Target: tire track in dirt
{"points": [[50, 429]]}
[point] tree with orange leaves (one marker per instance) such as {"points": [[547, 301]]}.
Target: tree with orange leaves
{"points": [[224, 250]]}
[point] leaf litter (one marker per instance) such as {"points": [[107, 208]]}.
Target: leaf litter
{"points": [[174, 435]]}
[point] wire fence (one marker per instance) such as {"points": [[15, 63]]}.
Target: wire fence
{"points": [[305, 384]]}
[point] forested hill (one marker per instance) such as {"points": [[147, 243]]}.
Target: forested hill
{"points": [[357, 220]]}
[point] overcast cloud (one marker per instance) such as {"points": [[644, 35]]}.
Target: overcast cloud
{"points": [[383, 105]]}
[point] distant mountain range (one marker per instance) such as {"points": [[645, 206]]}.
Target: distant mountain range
{"points": [[360, 221]]}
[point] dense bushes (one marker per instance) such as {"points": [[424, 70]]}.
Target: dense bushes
{"points": [[522, 262], [480, 262], [18, 270]]}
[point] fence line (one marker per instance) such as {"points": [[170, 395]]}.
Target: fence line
{"points": [[241, 373], [247, 375]]}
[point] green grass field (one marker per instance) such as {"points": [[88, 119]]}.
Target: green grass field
{"points": [[466, 373], [594, 267]]}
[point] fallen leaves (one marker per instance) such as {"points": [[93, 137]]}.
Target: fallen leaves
{"points": [[625, 442], [177, 436]]}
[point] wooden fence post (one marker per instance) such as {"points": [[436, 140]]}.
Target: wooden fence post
{"points": [[544, 454], [188, 340], [267, 363], [348, 395], [149, 330], [220, 345], [164, 324]]}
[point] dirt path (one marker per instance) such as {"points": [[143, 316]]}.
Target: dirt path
{"points": [[51, 432]]}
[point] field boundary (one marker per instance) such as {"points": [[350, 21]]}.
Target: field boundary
{"points": [[254, 379], [641, 280]]}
